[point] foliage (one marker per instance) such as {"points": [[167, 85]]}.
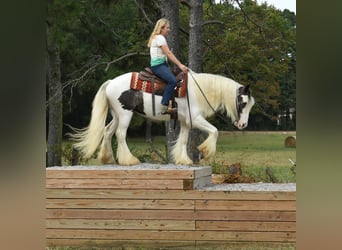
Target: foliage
{"points": [[257, 47], [252, 44]]}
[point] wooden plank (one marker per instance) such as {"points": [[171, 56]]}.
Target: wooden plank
{"points": [[167, 194], [246, 215], [121, 224], [120, 214], [196, 183], [121, 244], [170, 235], [119, 204], [114, 183], [257, 226], [246, 236], [243, 195], [235, 245], [245, 205], [119, 172], [172, 214], [179, 245]]}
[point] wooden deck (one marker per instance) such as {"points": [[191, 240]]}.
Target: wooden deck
{"points": [[151, 208]]}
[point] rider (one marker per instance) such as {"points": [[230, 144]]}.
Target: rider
{"points": [[160, 52]]}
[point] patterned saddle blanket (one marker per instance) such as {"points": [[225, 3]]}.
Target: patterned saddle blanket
{"points": [[146, 81]]}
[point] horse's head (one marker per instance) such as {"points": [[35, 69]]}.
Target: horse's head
{"points": [[244, 104]]}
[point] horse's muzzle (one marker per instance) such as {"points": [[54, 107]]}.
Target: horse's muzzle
{"points": [[240, 125]]}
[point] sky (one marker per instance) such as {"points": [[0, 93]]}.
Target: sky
{"points": [[281, 4]]}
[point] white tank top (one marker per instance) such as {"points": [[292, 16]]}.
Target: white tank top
{"points": [[156, 53]]}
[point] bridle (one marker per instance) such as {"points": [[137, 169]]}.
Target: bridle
{"points": [[237, 104]]}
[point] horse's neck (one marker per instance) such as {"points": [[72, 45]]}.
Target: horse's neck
{"points": [[219, 92]]}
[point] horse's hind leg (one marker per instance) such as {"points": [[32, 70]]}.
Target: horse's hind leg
{"points": [[123, 153], [105, 154]]}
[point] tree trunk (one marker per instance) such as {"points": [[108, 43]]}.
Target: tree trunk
{"points": [[196, 136], [55, 104], [170, 11], [195, 36]]}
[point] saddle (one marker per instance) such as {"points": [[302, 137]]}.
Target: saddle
{"points": [[148, 82], [143, 80], [147, 75]]}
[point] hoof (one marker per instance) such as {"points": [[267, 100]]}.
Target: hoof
{"points": [[107, 160], [129, 163], [184, 162]]}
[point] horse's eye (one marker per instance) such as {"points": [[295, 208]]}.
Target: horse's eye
{"points": [[242, 106]]}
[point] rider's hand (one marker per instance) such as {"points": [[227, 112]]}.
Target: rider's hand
{"points": [[184, 68]]}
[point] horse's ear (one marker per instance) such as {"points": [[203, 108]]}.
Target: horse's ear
{"points": [[247, 88]]}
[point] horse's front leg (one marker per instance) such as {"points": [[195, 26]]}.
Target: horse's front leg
{"points": [[208, 147], [179, 151]]}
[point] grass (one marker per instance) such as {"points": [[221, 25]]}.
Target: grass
{"points": [[254, 151]]}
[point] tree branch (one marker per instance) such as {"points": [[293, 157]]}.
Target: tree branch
{"points": [[123, 57], [215, 52], [247, 18], [86, 70], [213, 22], [144, 13], [184, 2]]}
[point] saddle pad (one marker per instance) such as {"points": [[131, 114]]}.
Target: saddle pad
{"points": [[146, 86]]}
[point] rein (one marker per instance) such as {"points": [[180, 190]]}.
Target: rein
{"points": [[188, 101], [216, 113], [262, 111]]}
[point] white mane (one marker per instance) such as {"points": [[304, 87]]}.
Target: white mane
{"points": [[219, 91]]}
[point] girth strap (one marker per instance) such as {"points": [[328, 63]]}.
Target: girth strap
{"points": [[153, 97]]}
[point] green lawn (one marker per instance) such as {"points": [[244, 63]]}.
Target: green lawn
{"points": [[254, 151]]}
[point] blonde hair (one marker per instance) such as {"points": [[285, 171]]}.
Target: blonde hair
{"points": [[157, 29]]}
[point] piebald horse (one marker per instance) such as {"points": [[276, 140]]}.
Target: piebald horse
{"points": [[207, 94]]}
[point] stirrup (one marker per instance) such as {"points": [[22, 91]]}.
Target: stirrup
{"points": [[169, 111]]}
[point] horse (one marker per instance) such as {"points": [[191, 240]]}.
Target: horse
{"points": [[206, 95]]}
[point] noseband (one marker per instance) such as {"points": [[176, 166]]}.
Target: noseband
{"points": [[238, 100], [238, 103]]}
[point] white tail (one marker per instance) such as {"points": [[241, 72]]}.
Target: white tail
{"points": [[89, 138]]}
